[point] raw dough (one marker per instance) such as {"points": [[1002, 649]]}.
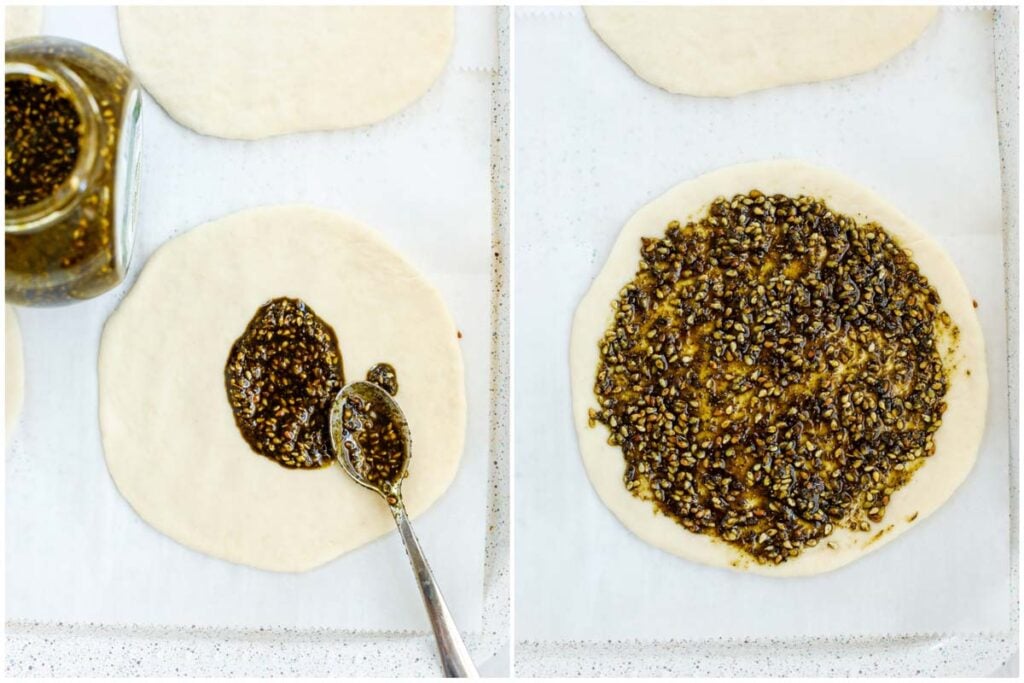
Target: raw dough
{"points": [[14, 369], [726, 51], [169, 436], [252, 72], [956, 441], [22, 20]]}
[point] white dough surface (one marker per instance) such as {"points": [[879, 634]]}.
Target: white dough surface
{"points": [[22, 20], [14, 369], [254, 72], [726, 51], [956, 441], [169, 436]]}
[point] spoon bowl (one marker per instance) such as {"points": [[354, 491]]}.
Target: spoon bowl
{"points": [[353, 402]]}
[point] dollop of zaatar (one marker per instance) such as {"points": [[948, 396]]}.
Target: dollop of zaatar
{"points": [[282, 376], [384, 376], [774, 371]]}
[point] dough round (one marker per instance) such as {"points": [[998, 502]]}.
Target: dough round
{"points": [[14, 367], [22, 20], [252, 72], [169, 435], [726, 51], [956, 441]]}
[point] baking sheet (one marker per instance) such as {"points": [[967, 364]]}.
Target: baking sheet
{"points": [[75, 550], [594, 143]]}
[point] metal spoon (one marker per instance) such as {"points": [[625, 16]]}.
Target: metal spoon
{"points": [[454, 656]]}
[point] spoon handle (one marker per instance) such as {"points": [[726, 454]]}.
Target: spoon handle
{"points": [[454, 656]]}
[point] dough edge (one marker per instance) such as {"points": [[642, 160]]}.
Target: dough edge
{"points": [[21, 21], [957, 440], [225, 124], [662, 70], [14, 369]]}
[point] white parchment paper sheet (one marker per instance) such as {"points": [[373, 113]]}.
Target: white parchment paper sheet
{"points": [[595, 143], [76, 552]]}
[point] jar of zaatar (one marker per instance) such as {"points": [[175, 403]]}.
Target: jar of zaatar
{"points": [[72, 142]]}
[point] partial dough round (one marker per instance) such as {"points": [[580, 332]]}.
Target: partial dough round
{"points": [[956, 441], [22, 20], [726, 51], [169, 435], [14, 369], [252, 72]]}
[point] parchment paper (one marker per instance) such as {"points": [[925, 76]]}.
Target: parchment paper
{"points": [[76, 552], [594, 144]]}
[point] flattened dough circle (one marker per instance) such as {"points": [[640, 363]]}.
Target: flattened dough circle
{"points": [[253, 72], [22, 20], [14, 368], [169, 435], [956, 441], [726, 51]]}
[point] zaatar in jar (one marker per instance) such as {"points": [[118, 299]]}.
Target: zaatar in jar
{"points": [[43, 131], [72, 151], [282, 376], [774, 371]]}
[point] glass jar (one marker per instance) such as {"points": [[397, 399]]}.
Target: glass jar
{"points": [[73, 150]]}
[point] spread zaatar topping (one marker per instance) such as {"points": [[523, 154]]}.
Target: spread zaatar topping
{"points": [[773, 372], [282, 376]]}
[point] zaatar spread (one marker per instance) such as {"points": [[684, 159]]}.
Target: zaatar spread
{"points": [[372, 435], [773, 372], [41, 140], [282, 377]]}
